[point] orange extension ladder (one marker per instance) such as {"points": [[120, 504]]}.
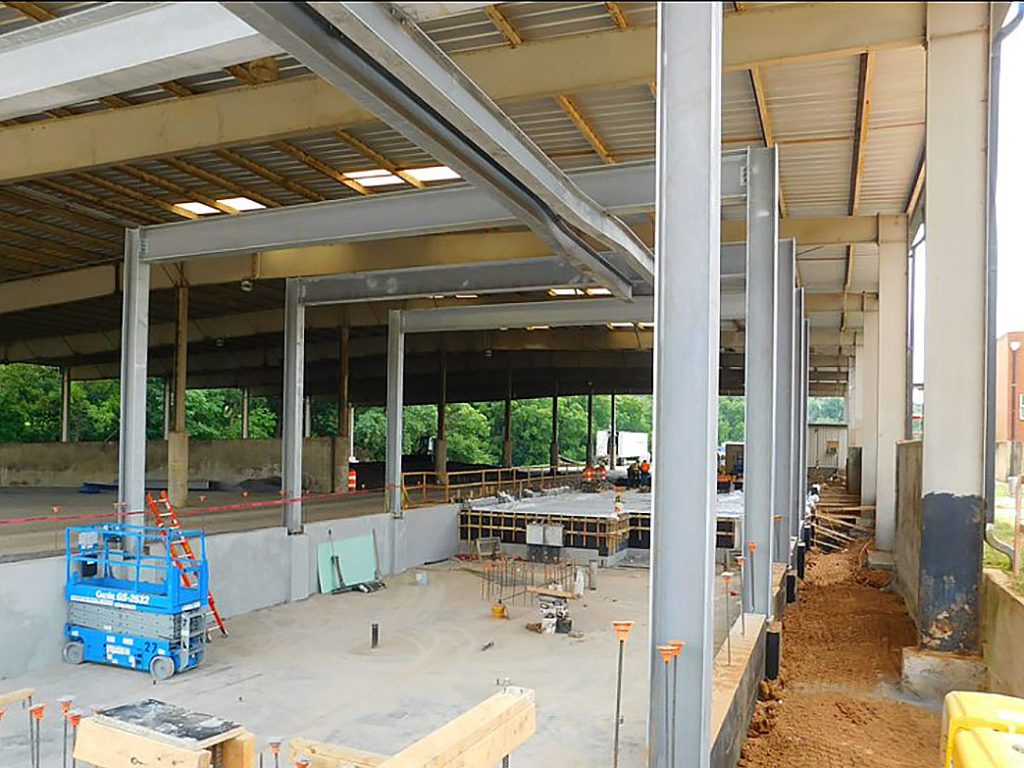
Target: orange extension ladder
{"points": [[167, 518]]}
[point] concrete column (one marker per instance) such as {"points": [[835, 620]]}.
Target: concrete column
{"points": [[590, 427], [340, 449], [868, 365], [762, 289], [131, 476], [613, 442], [245, 413], [177, 440], [797, 420], [291, 408], [953, 477], [782, 493], [65, 405], [556, 452], [395, 395], [685, 375], [892, 371], [506, 444], [441, 444]]}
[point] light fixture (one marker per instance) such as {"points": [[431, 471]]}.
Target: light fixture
{"points": [[433, 173], [238, 203], [598, 292], [466, 296], [437, 296], [246, 286], [374, 177], [619, 326], [202, 209], [645, 326], [538, 327], [560, 292], [242, 203]]}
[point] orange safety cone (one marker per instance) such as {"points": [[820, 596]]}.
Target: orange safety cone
{"points": [[351, 480]]}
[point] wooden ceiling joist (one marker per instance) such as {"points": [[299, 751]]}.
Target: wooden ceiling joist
{"points": [[190, 195], [133, 215], [860, 142], [584, 127], [272, 176], [618, 15], [502, 24], [311, 161], [377, 158], [60, 209], [134, 194], [213, 178]]}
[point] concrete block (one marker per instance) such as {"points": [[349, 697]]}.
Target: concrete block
{"points": [[299, 585], [932, 675]]}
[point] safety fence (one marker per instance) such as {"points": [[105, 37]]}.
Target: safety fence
{"points": [[425, 488]]}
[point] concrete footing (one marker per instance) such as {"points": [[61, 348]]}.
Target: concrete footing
{"points": [[880, 560], [932, 675]]}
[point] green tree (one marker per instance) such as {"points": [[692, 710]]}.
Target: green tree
{"points": [[826, 410], [731, 419], [29, 403]]}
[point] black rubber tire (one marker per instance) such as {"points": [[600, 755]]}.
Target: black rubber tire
{"points": [[74, 652], [161, 667]]}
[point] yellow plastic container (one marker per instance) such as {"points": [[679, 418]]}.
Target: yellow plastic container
{"points": [[971, 710], [988, 749]]}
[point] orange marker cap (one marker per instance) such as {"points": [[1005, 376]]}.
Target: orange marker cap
{"points": [[74, 717], [752, 546], [65, 704], [727, 577], [677, 646], [37, 711], [275, 744], [667, 652], [622, 629], [740, 561]]}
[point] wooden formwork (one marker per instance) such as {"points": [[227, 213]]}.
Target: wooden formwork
{"points": [[607, 534]]}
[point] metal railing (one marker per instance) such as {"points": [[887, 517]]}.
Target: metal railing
{"points": [[423, 488]]}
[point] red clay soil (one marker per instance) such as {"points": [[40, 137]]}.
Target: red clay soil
{"points": [[841, 644]]}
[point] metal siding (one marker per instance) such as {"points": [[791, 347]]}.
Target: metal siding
{"points": [[818, 436]]}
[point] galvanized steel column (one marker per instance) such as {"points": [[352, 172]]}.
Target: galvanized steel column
{"points": [[396, 372], [784, 368], [131, 462], [292, 406], [759, 453], [797, 505], [685, 375]]}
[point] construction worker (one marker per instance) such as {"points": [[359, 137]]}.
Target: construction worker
{"points": [[633, 474], [645, 473]]}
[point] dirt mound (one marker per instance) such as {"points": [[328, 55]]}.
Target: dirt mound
{"points": [[840, 642], [828, 730]]}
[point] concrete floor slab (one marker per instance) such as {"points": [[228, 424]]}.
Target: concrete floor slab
{"points": [[306, 669]]}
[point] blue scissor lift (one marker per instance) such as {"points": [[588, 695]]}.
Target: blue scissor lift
{"points": [[131, 602]]}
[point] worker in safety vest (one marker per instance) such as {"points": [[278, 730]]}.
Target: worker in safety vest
{"points": [[645, 472], [633, 475]]}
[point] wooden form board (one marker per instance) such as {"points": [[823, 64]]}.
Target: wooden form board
{"points": [[333, 755], [480, 738], [6, 699], [104, 746]]}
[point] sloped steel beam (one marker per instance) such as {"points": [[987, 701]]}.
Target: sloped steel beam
{"points": [[380, 58]]}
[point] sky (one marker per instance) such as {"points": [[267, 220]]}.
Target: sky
{"points": [[1009, 205]]}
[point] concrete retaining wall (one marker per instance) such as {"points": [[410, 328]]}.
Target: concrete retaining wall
{"points": [[907, 554], [1002, 627], [249, 570], [225, 461]]}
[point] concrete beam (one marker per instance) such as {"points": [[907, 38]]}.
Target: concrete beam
{"points": [[601, 60]]}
